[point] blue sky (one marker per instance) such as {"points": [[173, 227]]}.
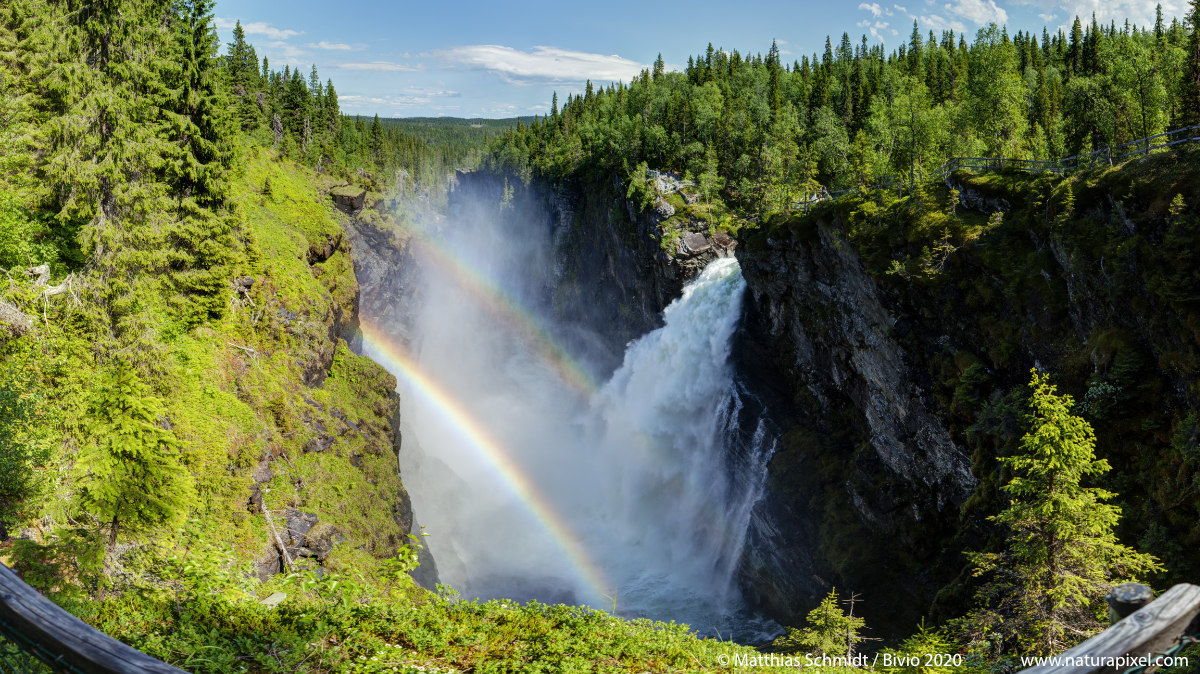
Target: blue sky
{"points": [[502, 59]]}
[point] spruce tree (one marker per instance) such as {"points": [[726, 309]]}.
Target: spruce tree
{"points": [[829, 632], [376, 141], [130, 475], [201, 122], [1075, 65], [240, 63], [333, 114], [1191, 73], [202, 132], [1043, 592]]}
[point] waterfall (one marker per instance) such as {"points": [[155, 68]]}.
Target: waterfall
{"points": [[634, 494]]}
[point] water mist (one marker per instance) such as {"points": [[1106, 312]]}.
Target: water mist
{"points": [[635, 492]]}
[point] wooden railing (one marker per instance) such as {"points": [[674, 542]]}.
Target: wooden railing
{"points": [[1101, 157], [37, 635], [1138, 641]]}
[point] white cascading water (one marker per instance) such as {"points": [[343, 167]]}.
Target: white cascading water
{"points": [[636, 495]]}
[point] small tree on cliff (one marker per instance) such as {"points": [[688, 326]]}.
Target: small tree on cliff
{"points": [[132, 478], [830, 631], [1043, 593]]}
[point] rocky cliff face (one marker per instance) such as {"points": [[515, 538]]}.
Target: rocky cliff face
{"points": [[611, 276], [389, 295], [863, 470]]}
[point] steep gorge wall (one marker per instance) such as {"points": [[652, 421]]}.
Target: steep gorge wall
{"points": [[865, 478], [898, 384], [611, 277]]}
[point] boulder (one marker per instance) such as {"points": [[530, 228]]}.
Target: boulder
{"points": [[663, 210], [695, 243], [348, 199], [319, 444]]}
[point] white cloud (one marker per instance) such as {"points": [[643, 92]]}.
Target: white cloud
{"points": [[978, 12], [935, 22], [258, 28], [378, 66], [544, 65], [1140, 12], [336, 46], [874, 28], [876, 10], [902, 9], [290, 51], [388, 103], [429, 92]]}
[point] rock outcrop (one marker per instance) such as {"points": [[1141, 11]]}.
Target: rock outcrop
{"points": [[864, 472]]}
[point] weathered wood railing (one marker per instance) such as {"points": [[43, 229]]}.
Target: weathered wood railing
{"points": [[1149, 632], [35, 628]]}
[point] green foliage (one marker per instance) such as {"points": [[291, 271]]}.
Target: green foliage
{"points": [[641, 187], [25, 419], [334, 625], [23, 236], [928, 651], [1061, 557], [830, 631], [131, 478]]}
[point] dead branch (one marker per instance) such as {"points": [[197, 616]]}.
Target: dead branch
{"points": [[17, 321]]}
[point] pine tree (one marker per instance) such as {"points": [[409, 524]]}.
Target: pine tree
{"points": [[830, 631], [333, 114], [201, 120], [131, 477], [1191, 73], [317, 91], [1061, 557], [240, 63], [297, 102], [916, 65], [774, 84], [1075, 65], [376, 141]]}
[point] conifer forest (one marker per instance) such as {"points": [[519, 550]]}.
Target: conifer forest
{"points": [[964, 353]]}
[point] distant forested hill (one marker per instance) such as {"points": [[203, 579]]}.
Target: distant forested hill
{"points": [[757, 131]]}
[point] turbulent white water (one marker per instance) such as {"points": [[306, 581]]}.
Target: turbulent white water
{"points": [[651, 475]]}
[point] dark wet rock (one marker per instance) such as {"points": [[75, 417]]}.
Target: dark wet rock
{"points": [[818, 339], [298, 524]]}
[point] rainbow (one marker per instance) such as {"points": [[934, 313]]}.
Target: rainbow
{"points": [[400, 363], [505, 309]]}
